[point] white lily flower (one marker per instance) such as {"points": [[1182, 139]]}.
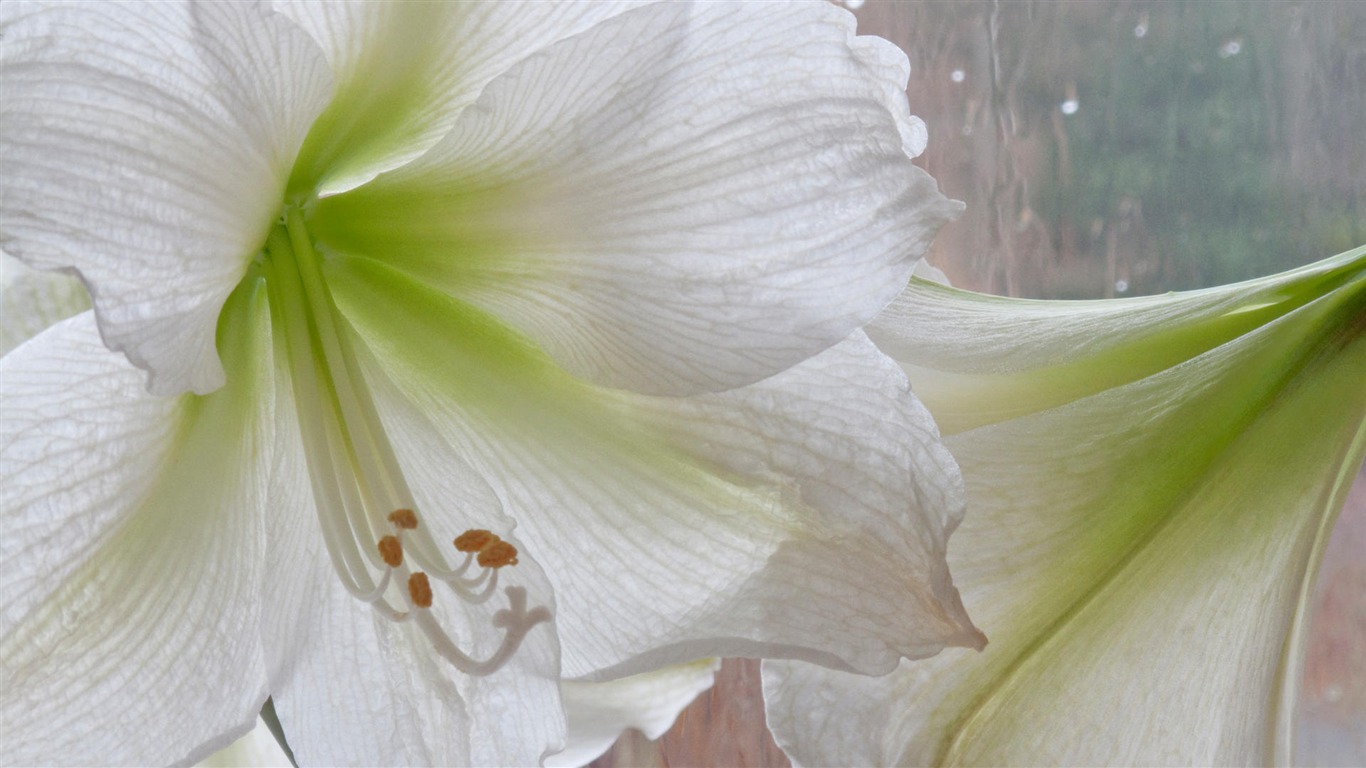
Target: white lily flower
{"points": [[399, 271], [1150, 484]]}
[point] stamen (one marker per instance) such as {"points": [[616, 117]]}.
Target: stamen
{"points": [[405, 519], [493, 551], [474, 541], [356, 475], [420, 590], [498, 554], [485, 584], [465, 564], [391, 550], [515, 621]]}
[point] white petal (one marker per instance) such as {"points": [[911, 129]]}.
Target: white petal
{"points": [[406, 70], [984, 361], [927, 272], [353, 688], [365, 691], [681, 199], [649, 703], [257, 749], [872, 495], [147, 147], [31, 300], [1139, 556], [802, 517], [130, 564]]}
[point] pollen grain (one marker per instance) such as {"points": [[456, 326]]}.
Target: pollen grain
{"points": [[405, 519], [391, 551], [420, 589], [497, 555], [475, 540]]}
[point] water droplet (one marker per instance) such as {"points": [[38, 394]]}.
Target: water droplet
{"points": [[1069, 107], [1231, 48], [958, 76], [1141, 30], [1121, 286], [853, 5]]}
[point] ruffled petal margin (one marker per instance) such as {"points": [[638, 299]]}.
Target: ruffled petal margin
{"points": [[405, 71], [648, 702], [1141, 553], [31, 301]]}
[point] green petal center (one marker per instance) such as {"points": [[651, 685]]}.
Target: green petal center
{"points": [[378, 546]]}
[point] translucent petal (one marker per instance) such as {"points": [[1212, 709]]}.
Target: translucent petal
{"points": [[31, 301], [805, 516], [406, 70], [991, 359], [1140, 555], [683, 198], [146, 146], [648, 702], [130, 560]]}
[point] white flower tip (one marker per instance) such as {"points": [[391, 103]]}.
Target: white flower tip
{"points": [[962, 634]]}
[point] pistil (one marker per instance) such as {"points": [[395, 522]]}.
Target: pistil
{"points": [[365, 509]]}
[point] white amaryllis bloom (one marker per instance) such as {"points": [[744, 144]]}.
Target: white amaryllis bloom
{"points": [[396, 272], [1150, 484]]}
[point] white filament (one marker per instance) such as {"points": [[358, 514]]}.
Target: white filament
{"points": [[355, 475]]}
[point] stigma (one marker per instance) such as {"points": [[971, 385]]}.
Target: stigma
{"points": [[382, 552]]}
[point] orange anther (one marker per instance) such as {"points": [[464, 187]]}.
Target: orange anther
{"points": [[403, 518], [475, 540], [391, 551], [420, 590], [498, 554]]}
